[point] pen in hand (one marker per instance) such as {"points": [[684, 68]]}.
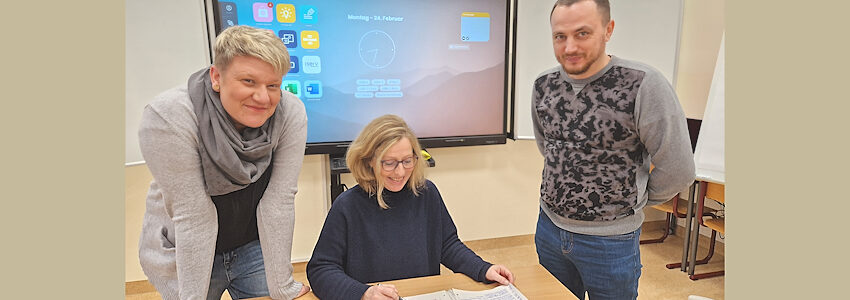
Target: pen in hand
{"points": [[399, 296]]}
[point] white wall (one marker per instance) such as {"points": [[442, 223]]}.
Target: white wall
{"points": [[702, 29], [533, 55], [165, 42], [646, 31]]}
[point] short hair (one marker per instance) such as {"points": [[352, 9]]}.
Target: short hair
{"points": [[602, 6], [365, 153], [242, 40]]}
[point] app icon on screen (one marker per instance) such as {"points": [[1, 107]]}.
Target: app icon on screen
{"points": [[228, 14], [313, 88], [227, 8], [309, 39], [309, 14], [262, 12], [292, 86], [311, 64], [289, 38], [286, 13], [294, 66], [475, 27]]}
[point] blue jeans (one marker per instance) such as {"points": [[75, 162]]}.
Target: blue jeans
{"points": [[241, 272], [606, 267]]}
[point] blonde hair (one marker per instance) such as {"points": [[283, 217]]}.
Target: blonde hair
{"points": [[242, 40], [365, 153]]}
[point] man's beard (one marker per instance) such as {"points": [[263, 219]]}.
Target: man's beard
{"points": [[579, 70]]}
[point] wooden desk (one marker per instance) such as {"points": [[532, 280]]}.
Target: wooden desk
{"points": [[533, 281]]}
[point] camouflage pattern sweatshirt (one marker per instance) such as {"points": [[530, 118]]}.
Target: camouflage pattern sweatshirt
{"points": [[599, 136]]}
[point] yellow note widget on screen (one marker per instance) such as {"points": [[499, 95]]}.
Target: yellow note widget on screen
{"points": [[310, 39], [475, 27], [286, 13]]}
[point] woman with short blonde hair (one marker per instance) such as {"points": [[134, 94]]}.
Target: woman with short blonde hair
{"points": [[238, 41], [392, 225], [225, 149]]}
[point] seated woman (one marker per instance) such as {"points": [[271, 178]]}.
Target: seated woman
{"points": [[392, 225]]}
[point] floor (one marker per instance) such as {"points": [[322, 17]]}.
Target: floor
{"points": [[656, 281]]}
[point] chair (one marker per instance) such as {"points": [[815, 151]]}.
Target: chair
{"points": [[678, 208], [716, 192], [673, 208]]}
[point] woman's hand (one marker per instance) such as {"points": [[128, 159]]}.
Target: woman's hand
{"points": [[500, 274], [381, 292], [304, 290]]}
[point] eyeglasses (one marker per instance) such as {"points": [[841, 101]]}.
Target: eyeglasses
{"points": [[407, 163]]}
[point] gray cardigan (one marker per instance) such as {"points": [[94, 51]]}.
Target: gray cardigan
{"points": [[177, 243]]}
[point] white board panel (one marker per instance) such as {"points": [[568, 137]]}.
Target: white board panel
{"points": [[165, 43], [647, 31], [709, 156]]}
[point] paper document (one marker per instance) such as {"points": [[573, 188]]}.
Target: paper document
{"points": [[502, 292]]}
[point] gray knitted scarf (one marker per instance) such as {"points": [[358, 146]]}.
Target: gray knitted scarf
{"points": [[231, 160]]}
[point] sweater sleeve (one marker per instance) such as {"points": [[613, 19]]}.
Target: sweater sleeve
{"points": [[170, 149], [538, 129], [663, 130], [454, 254], [325, 270], [276, 210]]}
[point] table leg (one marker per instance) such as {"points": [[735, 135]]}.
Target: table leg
{"points": [[688, 221], [695, 231], [673, 224]]}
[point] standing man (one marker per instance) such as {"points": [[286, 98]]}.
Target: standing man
{"points": [[600, 121]]}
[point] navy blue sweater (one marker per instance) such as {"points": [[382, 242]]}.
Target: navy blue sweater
{"points": [[362, 243]]}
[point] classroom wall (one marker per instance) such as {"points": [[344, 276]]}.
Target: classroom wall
{"points": [[703, 25], [164, 43], [702, 28], [490, 191], [647, 31]]}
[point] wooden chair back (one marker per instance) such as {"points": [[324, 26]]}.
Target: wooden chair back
{"points": [[716, 192]]}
